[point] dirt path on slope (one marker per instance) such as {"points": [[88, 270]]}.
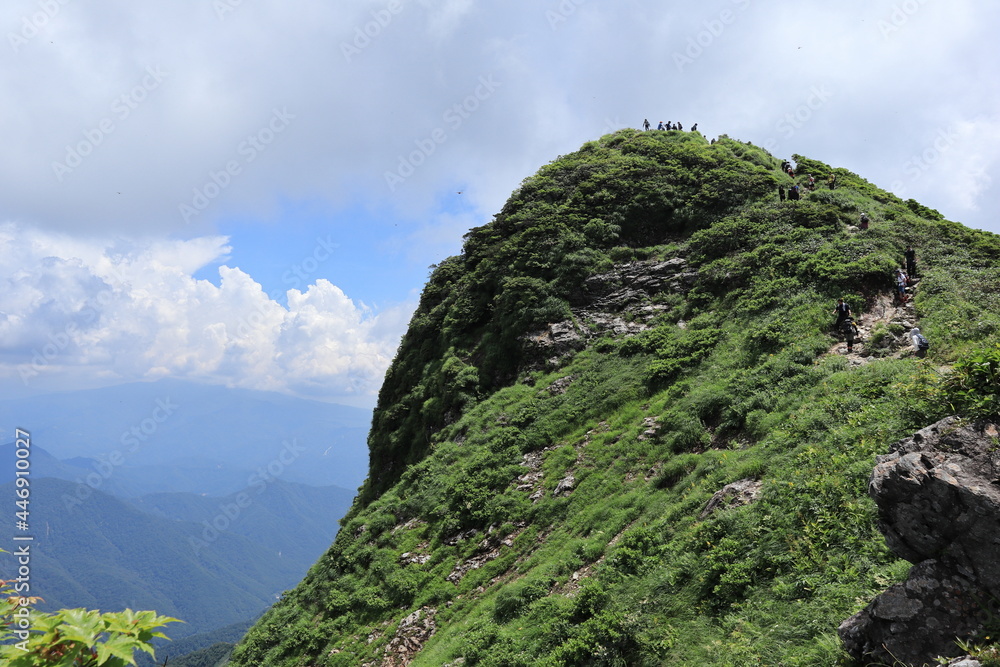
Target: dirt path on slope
{"points": [[886, 311]]}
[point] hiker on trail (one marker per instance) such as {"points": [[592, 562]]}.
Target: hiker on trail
{"points": [[850, 331], [843, 312], [832, 181], [694, 128], [660, 126], [791, 172], [793, 192], [781, 193], [812, 182], [901, 281], [911, 261], [863, 224], [679, 126], [920, 343], [645, 124], [784, 166]]}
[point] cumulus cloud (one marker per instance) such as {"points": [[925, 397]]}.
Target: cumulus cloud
{"points": [[132, 310], [171, 121]]}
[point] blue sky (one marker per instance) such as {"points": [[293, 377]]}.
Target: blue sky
{"points": [[250, 193]]}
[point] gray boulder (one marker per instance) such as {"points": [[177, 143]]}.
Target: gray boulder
{"points": [[938, 497]]}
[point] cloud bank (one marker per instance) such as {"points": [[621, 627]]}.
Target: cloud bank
{"points": [[120, 311]]}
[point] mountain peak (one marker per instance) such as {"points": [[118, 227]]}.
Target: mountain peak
{"points": [[645, 324]]}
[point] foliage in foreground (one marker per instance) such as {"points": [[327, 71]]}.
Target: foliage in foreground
{"points": [[72, 637], [551, 512]]}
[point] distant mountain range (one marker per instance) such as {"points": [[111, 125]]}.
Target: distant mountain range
{"points": [[208, 561], [200, 502], [171, 435]]}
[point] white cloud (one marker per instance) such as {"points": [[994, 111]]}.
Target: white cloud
{"points": [[151, 107], [132, 311]]}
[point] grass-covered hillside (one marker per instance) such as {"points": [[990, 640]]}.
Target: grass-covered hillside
{"points": [[643, 324]]}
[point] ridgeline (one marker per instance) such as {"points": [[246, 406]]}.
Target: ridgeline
{"points": [[622, 431]]}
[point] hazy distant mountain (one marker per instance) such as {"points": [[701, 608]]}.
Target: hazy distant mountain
{"points": [[172, 435], [79, 469], [208, 561], [293, 520]]}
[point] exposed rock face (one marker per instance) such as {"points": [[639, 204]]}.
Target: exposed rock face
{"points": [[619, 302], [742, 492], [938, 496]]}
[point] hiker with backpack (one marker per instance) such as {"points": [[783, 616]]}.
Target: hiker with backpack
{"points": [[911, 261], [850, 331], [842, 311], [920, 342]]}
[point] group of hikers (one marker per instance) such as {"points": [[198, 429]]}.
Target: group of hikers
{"points": [[794, 191], [903, 278], [667, 126]]}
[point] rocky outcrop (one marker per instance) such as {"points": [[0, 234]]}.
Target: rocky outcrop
{"points": [[630, 286], [620, 302], [938, 497], [736, 494]]}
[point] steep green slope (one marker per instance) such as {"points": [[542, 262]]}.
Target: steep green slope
{"points": [[643, 324]]}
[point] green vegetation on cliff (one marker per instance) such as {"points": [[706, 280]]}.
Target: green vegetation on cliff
{"points": [[643, 324]]}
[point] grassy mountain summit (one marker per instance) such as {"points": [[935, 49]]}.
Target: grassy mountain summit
{"points": [[621, 430]]}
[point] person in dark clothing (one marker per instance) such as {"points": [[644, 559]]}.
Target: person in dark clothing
{"points": [[694, 128], [781, 192], [645, 124], [864, 222], [679, 126], [793, 193], [850, 331], [911, 261], [843, 311]]}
